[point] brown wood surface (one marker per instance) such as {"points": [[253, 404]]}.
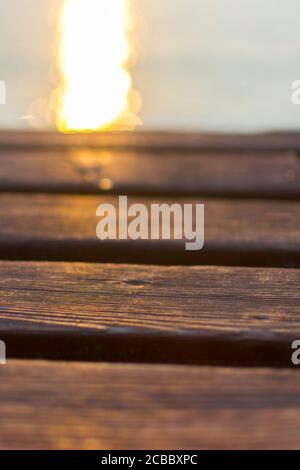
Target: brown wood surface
{"points": [[201, 315], [228, 174], [63, 227], [187, 141], [121, 313], [76, 406]]}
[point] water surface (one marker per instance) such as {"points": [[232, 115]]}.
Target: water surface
{"points": [[201, 64]]}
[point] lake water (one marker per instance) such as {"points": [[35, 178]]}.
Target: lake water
{"points": [[201, 64]]}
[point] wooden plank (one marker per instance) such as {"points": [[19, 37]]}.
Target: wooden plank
{"points": [[230, 174], [58, 227], [152, 140], [100, 406], [196, 315]]}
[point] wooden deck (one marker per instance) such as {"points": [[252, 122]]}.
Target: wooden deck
{"points": [[141, 344]]}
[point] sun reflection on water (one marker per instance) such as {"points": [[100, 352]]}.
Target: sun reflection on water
{"points": [[95, 91]]}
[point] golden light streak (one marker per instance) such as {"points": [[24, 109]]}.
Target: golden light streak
{"points": [[96, 89]]}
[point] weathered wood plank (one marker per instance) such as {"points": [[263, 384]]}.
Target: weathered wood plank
{"points": [[230, 174], [57, 227], [197, 315], [75, 406], [153, 140]]}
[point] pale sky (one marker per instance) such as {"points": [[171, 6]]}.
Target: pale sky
{"points": [[203, 64]]}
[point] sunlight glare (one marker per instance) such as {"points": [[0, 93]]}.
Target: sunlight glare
{"points": [[95, 91]]}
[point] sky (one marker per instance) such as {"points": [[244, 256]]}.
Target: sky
{"points": [[221, 65]]}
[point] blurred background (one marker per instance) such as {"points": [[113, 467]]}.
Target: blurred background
{"points": [[221, 65]]}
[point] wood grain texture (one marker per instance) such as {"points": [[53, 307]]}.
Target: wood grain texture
{"points": [[197, 315], [76, 406], [152, 140], [58, 227], [228, 174]]}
